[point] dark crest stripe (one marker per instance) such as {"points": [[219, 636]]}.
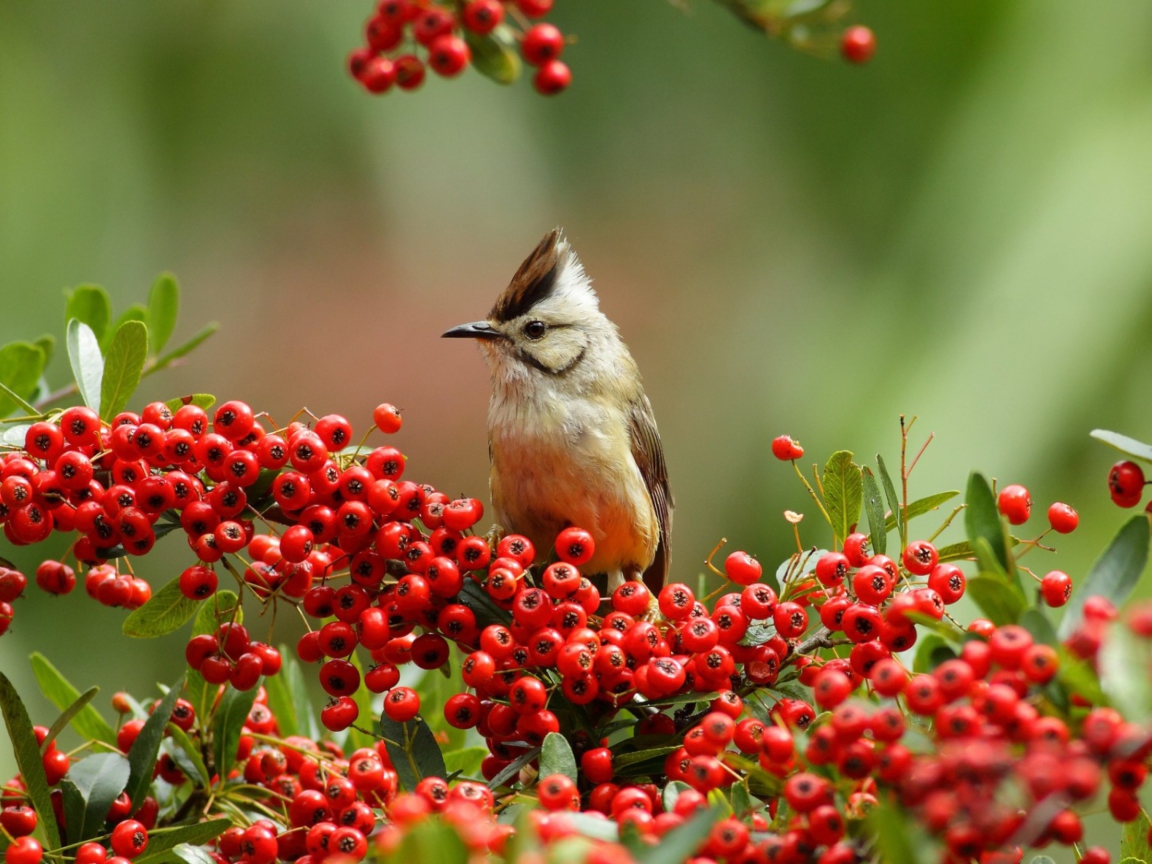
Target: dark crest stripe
{"points": [[534, 280]]}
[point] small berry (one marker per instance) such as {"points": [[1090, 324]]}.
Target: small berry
{"points": [[1015, 503], [552, 77], [387, 417], [1126, 483], [785, 449], [858, 44], [1056, 588], [1063, 518]]}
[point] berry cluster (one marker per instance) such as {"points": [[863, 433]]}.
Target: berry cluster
{"points": [[403, 38]]}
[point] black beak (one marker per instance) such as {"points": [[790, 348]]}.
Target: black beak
{"points": [[475, 330]]}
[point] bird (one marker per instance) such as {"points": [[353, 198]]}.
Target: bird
{"points": [[572, 440]]}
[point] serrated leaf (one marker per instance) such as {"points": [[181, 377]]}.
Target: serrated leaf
{"points": [[146, 747], [89, 788], [982, 522], [1134, 841], [187, 755], [682, 842], [465, 761], [21, 365], [494, 56], [28, 760], [413, 750], [1115, 573], [231, 715], [1000, 601], [1127, 446], [90, 305], [874, 510], [87, 361], [1125, 675], [165, 612], [922, 505], [163, 307], [201, 400], [188, 347], [843, 490], [556, 756], [890, 494], [60, 692], [163, 842], [123, 365]]}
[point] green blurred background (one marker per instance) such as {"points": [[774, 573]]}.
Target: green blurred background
{"points": [[961, 230]]}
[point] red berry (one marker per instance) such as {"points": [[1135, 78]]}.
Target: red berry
{"points": [[24, 850], [1015, 503], [542, 42], [742, 568], [448, 55], [1126, 483], [858, 44], [785, 449], [378, 75], [483, 16], [409, 72], [552, 77], [1056, 587], [920, 557], [1063, 518], [387, 418], [534, 8], [129, 839], [402, 704], [340, 714]]}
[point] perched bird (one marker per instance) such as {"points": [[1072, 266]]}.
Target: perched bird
{"points": [[571, 436]]}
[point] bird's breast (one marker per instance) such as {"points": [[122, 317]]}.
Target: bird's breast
{"points": [[559, 462]]}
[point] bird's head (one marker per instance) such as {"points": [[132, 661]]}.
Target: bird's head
{"points": [[548, 319]]}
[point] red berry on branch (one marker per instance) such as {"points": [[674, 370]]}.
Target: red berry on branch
{"points": [[448, 55], [483, 16], [1126, 483], [1063, 518], [1015, 503], [1056, 588], [534, 8], [858, 44], [409, 72], [742, 568], [387, 418], [542, 42], [785, 449]]}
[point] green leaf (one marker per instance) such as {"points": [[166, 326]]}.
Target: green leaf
{"points": [[431, 841], [1036, 622], [89, 788], [890, 494], [162, 841], [955, 551], [1124, 674], [60, 692], [742, 803], [1134, 840], [280, 696], [201, 400], [1078, 677], [190, 854], [874, 510], [14, 435], [27, 752], [623, 760], [671, 793], [163, 307], [21, 365], [931, 651], [363, 699], [188, 347], [1127, 446], [231, 715], [1115, 573], [682, 842], [921, 506], [982, 521], [47, 344], [219, 608], [165, 612], [486, 612], [65, 716], [895, 835], [556, 756], [146, 747], [495, 55], [1042, 859], [87, 361], [123, 365], [589, 826], [465, 761], [1000, 600], [512, 768], [187, 755], [413, 750], [90, 305], [136, 312], [843, 488]]}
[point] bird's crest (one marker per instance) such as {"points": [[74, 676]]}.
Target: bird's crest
{"points": [[536, 279]]}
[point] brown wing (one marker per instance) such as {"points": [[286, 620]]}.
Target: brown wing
{"points": [[649, 455]]}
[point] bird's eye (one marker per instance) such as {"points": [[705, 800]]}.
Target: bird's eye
{"points": [[535, 329]]}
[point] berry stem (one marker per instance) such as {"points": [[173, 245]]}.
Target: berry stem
{"points": [[947, 522]]}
